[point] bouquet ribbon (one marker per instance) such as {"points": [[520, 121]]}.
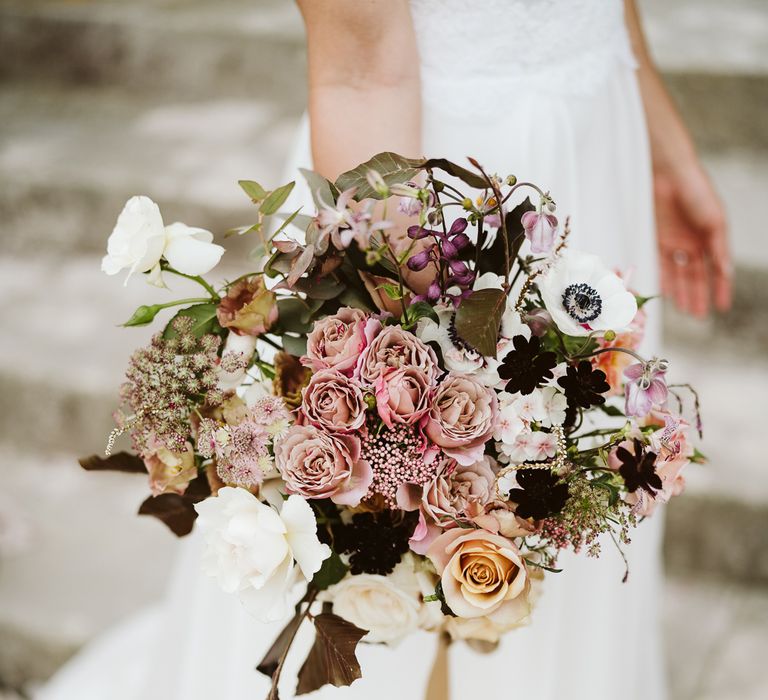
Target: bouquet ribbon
{"points": [[438, 684]]}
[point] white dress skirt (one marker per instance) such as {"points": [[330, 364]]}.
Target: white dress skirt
{"points": [[546, 90]]}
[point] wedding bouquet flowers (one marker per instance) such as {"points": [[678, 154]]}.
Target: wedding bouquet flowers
{"points": [[386, 427]]}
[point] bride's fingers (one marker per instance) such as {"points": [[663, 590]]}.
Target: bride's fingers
{"points": [[681, 289], [722, 270], [698, 286]]}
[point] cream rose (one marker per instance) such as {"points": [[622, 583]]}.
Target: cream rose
{"points": [[316, 464], [389, 607], [333, 402], [482, 574], [258, 553], [462, 417], [170, 472]]}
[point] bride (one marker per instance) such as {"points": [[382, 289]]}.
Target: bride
{"points": [[560, 92]]}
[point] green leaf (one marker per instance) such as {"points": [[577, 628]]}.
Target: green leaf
{"points": [[492, 259], [478, 319], [393, 168], [295, 314], [119, 462], [253, 189], [418, 311], [144, 315], [699, 457], [323, 191], [466, 176], [642, 301], [296, 346], [274, 200], [325, 288], [332, 657], [392, 291], [332, 571], [203, 316], [613, 411]]}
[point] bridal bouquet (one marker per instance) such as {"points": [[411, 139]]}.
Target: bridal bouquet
{"points": [[415, 400]]}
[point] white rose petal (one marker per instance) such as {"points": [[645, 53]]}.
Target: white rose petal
{"points": [[251, 549], [138, 239], [191, 250]]}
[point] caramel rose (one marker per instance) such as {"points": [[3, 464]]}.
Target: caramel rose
{"points": [[482, 574]]}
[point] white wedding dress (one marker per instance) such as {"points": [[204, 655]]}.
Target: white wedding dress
{"points": [[544, 89]]}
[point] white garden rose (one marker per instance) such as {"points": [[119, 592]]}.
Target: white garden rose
{"points": [[258, 553], [584, 297], [140, 240], [191, 250], [389, 607]]}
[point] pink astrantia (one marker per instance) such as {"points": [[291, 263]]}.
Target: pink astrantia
{"points": [[540, 230], [646, 389]]}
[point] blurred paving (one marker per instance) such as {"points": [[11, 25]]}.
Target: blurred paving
{"points": [[178, 99]]}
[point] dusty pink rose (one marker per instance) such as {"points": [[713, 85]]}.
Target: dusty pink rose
{"points": [[462, 417], [170, 472], [316, 464], [394, 348], [482, 574], [457, 493], [248, 308], [403, 395], [337, 341], [333, 402]]}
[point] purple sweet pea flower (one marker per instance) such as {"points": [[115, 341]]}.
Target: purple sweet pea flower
{"points": [[540, 230], [647, 388]]}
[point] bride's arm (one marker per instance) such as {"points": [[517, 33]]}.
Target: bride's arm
{"points": [[364, 91], [691, 225]]}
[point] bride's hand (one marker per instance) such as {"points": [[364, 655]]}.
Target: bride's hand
{"points": [[690, 221], [693, 239]]}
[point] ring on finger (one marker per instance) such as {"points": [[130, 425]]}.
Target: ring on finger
{"points": [[680, 258]]}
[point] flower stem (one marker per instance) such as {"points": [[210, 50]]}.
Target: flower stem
{"points": [[196, 278], [308, 598], [586, 356]]}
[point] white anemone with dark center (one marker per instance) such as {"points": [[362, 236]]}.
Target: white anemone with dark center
{"points": [[582, 302], [585, 297]]}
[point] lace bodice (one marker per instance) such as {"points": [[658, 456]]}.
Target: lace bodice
{"points": [[562, 46]]}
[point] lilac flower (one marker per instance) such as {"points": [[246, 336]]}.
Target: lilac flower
{"points": [[540, 230], [647, 387], [444, 253]]}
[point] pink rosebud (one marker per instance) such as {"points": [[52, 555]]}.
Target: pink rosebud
{"points": [[540, 230]]}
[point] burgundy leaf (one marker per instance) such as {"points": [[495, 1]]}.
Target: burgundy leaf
{"points": [[119, 462], [478, 319], [332, 657]]}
